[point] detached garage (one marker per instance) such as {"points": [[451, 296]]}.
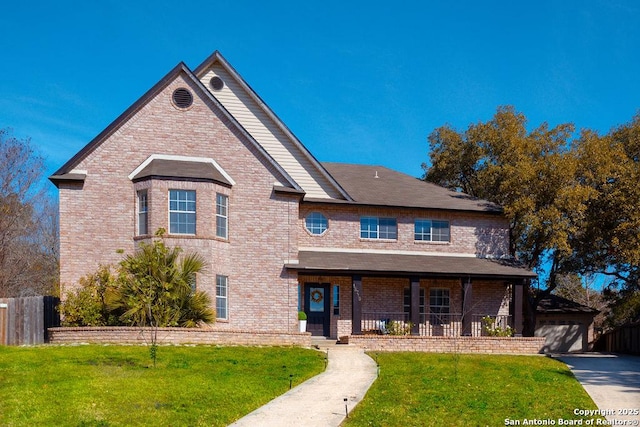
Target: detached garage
{"points": [[567, 325]]}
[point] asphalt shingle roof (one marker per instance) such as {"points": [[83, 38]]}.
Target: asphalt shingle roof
{"points": [[409, 264], [162, 168], [381, 186]]}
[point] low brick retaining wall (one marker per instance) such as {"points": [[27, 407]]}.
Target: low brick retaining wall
{"points": [[497, 345], [129, 335]]}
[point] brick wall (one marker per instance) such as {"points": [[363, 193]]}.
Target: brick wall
{"points": [[496, 345], [127, 335], [476, 234]]}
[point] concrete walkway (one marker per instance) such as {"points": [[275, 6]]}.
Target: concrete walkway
{"points": [[320, 400], [612, 381]]}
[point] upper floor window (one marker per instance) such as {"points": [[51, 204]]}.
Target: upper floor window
{"points": [[143, 213], [182, 212], [430, 230], [378, 228], [316, 223], [222, 216]]}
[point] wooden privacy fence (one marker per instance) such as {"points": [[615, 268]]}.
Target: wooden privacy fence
{"points": [[24, 321], [625, 339]]}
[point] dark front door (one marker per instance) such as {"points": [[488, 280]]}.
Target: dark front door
{"points": [[317, 305]]}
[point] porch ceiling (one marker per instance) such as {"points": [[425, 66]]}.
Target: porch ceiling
{"points": [[351, 263]]}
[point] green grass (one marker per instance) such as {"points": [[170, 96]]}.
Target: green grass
{"points": [[118, 385], [416, 389]]}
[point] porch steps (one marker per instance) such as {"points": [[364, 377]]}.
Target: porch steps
{"points": [[324, 343]]}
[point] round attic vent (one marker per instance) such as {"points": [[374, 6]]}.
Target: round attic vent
{"points": [[182, 98], [216, 83]]}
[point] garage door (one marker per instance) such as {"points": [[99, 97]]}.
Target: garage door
{"points": [[563, 338]]}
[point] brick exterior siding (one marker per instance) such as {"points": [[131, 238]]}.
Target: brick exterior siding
{"points": [[472, 234]]}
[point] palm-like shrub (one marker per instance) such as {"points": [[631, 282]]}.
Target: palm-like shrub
{"points": [[155, 288], [152, 287]]}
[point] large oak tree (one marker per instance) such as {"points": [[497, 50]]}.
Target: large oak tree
{"points": [[531, 174]]}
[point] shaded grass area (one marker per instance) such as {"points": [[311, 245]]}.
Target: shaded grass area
{"points": [[416, 389], [118, 385]]}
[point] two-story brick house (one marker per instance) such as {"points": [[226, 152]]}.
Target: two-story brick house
{"points": [[356, 247]]}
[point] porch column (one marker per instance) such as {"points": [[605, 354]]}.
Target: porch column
{"points": [[517, 301], [467, 307], [414, 311], [356, 306]]}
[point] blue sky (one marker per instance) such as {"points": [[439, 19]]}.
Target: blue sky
{"points": [[356, 81]]}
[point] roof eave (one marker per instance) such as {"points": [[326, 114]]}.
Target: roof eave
{"points": [[343, 270], [77, 178], [312, 200]]}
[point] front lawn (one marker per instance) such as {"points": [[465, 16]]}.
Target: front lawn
{"points": [[118, 385], [416, 389]]}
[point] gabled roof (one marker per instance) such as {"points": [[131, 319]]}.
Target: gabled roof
{"points": [[67, 169], [217, 58], [381, 186], [556, 304]]}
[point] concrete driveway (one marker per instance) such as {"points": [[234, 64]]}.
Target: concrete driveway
{"points": [[612, 381]]}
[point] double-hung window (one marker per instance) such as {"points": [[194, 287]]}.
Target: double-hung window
{"points": [[182, 211], [222, 216], [143, 213], [431, 230], [378, 228], [222, 301]]}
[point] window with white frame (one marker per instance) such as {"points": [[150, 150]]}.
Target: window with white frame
{"points": [[222, 301], [222, 216], [182, 211], [439, 305], [372, 227], [316, 223], [143, 213], [431, 230]]}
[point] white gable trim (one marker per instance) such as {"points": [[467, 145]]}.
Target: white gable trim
{"points": [[181, 159]]}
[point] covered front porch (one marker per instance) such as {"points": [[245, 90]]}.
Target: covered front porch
{"points": [[430, 296]]}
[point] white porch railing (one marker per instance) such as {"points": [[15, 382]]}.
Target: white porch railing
{"points": [[431, 324]]}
